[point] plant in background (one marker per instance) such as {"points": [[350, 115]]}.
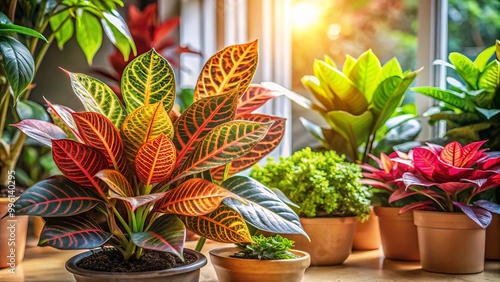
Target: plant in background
{"points": [[21, 23], [323, 184], [386, 178], [151, 178], [147, 33], [355, 102], [262, 248], [471, 107], [449, 178]]}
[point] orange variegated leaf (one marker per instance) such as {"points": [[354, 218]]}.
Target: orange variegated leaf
{"points": [[222, 145], [194, 197], [98, 132], [452, 154], [230, 68], [148, 79], [222, 225], [263, 147], [142, 125], [254, 97], [155, 160], [116, 182], [201, 117], [79, 162]]}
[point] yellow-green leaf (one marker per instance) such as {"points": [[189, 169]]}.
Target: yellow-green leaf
{"points": [[364, 74], [148, 79], [222, 225], [97, 97]]}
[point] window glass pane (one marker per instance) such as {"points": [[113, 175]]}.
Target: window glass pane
{"points": [[340, 27]]}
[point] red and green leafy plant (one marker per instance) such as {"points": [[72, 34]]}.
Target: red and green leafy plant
{"points": [[449, 178], [385, 178], [147, 33], [153, 178]]}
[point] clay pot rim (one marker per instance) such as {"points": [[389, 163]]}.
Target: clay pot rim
{"points": [[221, 253], [444, 220], [323, 220], [75, 270], [381, 211]]}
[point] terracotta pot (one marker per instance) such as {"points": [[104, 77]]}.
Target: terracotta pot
{"points": [[366, 234], [13, 231], [493, 238], [398, 234], [187, 273], [229, 269], [450, 242], [331, 239]]}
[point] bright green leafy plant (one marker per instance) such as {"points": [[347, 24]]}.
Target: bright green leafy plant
{"points": [[270, 248], [22, 49], [323, 184], [471, 107], [153, 178], [354, 102]]}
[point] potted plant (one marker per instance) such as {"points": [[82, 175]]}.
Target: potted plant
{"points": [[150, 178], [470, 107], [330, 196], [397, 231], [355, 103], [265, 259], [451, 229], [22, 49]]}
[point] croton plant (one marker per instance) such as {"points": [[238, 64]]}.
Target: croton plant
{"points": [[151, 177], [450, 178]]}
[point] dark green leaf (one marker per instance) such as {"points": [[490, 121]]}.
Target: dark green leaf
{"points": [[28, 109], [18, 64], [167, 234], [73, 233], [262, 209], [56, 196], [6, 28]]}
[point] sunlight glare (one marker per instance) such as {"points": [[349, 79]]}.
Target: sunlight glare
{"points": [[306, 14]]}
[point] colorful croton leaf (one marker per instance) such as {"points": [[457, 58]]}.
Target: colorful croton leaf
{"points": [[152, 178], [450, 177]]}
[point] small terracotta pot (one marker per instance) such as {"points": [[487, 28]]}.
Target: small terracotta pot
{"points": [[331, 239], [13, 231], [229, 269], [493, 238], [450, 242], [398, 234], [187, 273], [366, 234]]}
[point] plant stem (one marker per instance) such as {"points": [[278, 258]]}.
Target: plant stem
{"points": [[200, 244], [122, 221], [12, 10]]}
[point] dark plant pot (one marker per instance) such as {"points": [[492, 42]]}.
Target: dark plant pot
{"points": [[398, 234], [13, 231], [331, 239], [449, 242], [187, 273], [229, 269], [367, 234]]}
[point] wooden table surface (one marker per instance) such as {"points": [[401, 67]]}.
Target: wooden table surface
{"points": [[47, 264]]}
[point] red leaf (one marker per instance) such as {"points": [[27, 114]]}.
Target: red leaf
{"points": [[424, 160], [79, 162], [472, 153], [254, 98], [423, 205]]}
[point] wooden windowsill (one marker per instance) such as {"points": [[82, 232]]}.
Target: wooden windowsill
{"points": [[47, 264]]}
